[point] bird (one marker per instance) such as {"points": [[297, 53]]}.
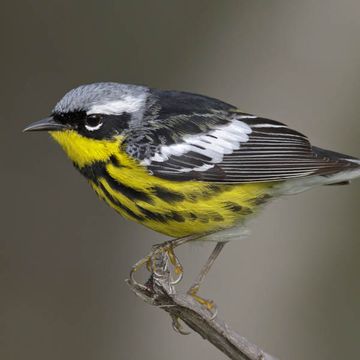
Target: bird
{"points": [[185, 165]]}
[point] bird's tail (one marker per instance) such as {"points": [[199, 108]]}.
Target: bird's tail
{"points": [[344, 169], [349, 171]]}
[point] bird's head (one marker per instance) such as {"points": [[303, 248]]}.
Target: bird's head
{"points": [[88, 122]]}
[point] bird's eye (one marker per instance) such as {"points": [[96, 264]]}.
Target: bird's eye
{"points": [[93, 122]]}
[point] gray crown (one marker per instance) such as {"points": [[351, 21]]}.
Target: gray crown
{"points": [[84, 97]]}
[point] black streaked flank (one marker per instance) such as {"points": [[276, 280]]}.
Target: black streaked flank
{"points": [[261, 199], [167, 195], [207, 193], [192, 216], [98, 170], [176, 216], [115, 161], [164, 217], [214, 190], [246, 211], [92, 172], [129, 192], [150, 215], [229, 205], [203, 218], [217, 217], [119, 205]]}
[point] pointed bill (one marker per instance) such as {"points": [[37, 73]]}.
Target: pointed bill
{"points": [[47, 124]]}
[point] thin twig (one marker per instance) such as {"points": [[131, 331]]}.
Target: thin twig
{"points": [[159, 292]]}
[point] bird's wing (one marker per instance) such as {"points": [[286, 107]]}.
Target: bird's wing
{"points": [[225, 145]]}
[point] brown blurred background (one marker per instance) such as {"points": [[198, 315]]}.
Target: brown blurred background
{"points": [[292, 286]]}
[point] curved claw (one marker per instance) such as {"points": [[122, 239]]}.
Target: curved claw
{"points": [[177, 280], [172, 259], [150, 260], [134, 269], [214, 312], [132, 275], [176, 325], [209, 305]]}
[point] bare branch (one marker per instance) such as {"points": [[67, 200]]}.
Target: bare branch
{"points": [[159, 292]]}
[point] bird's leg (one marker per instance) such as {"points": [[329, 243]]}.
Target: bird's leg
{"points": [[209, 304], [174, 260], [168, 248]]}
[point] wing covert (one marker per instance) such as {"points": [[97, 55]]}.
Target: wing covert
{"points": [[222, 144]]}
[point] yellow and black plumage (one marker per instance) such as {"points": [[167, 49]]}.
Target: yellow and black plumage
{"points": [[174, 208], [184, 164], [126, 140]]}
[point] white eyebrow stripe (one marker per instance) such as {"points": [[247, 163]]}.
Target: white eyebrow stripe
{"points": [[128, 104]]}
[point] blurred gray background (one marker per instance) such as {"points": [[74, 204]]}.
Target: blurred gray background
{"points": [[291, 287]]}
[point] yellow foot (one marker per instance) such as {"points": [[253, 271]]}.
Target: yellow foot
{"points": [[154, 264], [176, 267], [209, 305]]}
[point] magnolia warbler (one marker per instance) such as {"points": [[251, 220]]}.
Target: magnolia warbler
{"points": [[185, 165]]}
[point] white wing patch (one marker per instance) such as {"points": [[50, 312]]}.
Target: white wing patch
{"points": [[268, 126], [128, 104], [213, 144]]}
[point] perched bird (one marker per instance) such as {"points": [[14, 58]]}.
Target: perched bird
{"points": [[185, 165]]}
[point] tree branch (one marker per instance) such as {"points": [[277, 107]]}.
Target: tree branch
{"points": [[159, 292]]}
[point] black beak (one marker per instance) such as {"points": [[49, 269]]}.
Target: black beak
{"points": [[47, 124]]}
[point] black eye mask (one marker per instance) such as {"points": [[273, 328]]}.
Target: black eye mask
{"points": [[82, 123]]}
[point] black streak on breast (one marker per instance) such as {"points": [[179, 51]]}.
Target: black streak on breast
{"points": [[98, 170]]}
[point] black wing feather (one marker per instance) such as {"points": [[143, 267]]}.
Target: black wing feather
{"points": [[269, 151]]}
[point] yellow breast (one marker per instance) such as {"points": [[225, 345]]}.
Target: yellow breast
{"points": [[174, 208]]}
